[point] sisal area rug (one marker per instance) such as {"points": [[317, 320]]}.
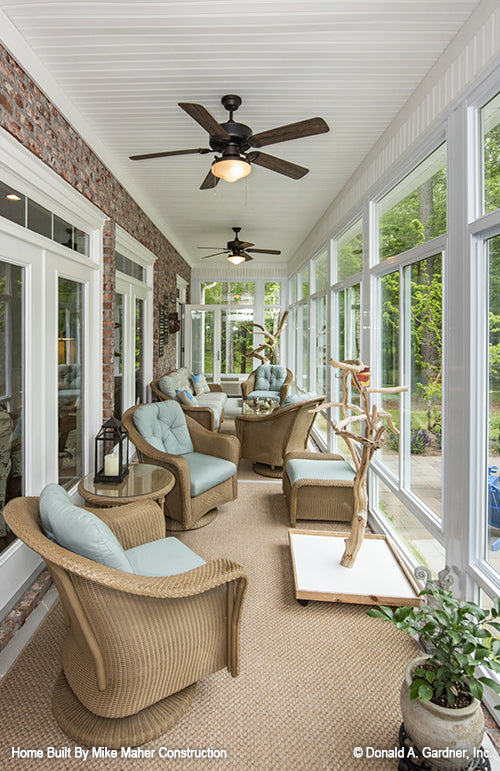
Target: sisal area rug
{"points": [[316, 682]]}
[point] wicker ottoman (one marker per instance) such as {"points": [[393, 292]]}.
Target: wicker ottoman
{"points": [[318, 486]]}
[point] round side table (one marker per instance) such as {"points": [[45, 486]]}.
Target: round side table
{"points": [[142, 481]]}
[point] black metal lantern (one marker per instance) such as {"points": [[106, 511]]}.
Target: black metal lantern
{"points": [[111, 452]]}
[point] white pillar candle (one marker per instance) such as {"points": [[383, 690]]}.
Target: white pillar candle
{"points": [[111, 465]]}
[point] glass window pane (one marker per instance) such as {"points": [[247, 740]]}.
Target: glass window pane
{"points": [[426, 381], [320, 271], [272, 318], [424, 547], [202, 343], [304, 282], [490, 130], [241, 293], [39, 219], [118, 368], [63, 232], [350, 252], [493, 482], [319, 349], [415, 210], [69, 379], [11, 391], [213, 293], [390, 366], [81, 242], [305, 348], [237, 341], [293, 289], [12, 204], [139, 351], [272, 293]]}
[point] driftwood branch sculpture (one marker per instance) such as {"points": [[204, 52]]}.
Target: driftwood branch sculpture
{"points": [[266, 351], [371, 440]]}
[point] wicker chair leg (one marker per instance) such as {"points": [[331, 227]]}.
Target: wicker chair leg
{"points": [[84, 727]]}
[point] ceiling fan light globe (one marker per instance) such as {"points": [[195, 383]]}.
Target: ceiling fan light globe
{"points": [[231, 169], [236, 259]]}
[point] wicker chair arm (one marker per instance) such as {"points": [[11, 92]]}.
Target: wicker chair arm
{"points": [[210, 443], [248, 385], [135, 523], [286, 385], [204, 416], [216, 387], [307, 454]]}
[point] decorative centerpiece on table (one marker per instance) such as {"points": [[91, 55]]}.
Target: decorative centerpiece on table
{"points": [[363, 445]]}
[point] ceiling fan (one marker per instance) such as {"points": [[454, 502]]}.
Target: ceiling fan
{"points": [[234, 140], [238, 250]]}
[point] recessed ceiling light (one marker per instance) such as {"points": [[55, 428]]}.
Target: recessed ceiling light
{"points": [[13, 197]]}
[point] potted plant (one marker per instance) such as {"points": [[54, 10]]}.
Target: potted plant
{"points": [[441, 692]]}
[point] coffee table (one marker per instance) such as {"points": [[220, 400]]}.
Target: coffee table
{"points": [[143, 482], [377, 577]]}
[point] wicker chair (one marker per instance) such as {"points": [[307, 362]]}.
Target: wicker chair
{"points": [[136, 645], [184, 510], [207, 416], [283, 379], [265, 439]]}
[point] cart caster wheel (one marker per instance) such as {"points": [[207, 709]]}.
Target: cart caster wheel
{"points": [[303, 602]]}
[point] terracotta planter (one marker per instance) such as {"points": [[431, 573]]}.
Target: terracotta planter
{"points": [[447, 738]]}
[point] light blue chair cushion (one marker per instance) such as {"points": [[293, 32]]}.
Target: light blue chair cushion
{"points": [[305, 468], [166, 557], [208, 471], [269, 377], [79, 530], [163, 426], [264, 395], [295, 398]]}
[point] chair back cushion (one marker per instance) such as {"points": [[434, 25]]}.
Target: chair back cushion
{"points": [[79, 530], [163, 426], [269, 377], [178, 380]]}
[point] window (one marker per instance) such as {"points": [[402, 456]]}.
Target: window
{"points": [[320, 272], [272, 314], [492, 541], [303, 279], [129, 267], [140, 385], [11, 390], [24, 211], [415, 210], [490, 133], [237, 340], [118, 365], [69, 379], [349, 259]]}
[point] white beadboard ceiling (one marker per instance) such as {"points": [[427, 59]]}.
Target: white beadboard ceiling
{"points": [[118, 69]]}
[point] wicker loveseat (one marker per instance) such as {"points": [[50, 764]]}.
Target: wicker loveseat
{"points": [[139, 639], [268, 381], [209, 410], [203, 463], [266, 439]]}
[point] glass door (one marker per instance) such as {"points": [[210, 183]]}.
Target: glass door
{"points": [[202, 324]]}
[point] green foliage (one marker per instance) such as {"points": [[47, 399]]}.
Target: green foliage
{"points": [[491, 149], [461, 636]]}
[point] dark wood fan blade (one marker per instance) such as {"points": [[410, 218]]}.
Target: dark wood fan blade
{"points": [[244, 244], [209, 182], [207, 121], [304, 128], [215, 254], [273, 163], [265, 251], [247, 256], [201, 150], [209, 247]]}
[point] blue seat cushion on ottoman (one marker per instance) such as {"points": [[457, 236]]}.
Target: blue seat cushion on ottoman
{"points": [[207, 471], [264, 395], [165, 557], [305, 468]]}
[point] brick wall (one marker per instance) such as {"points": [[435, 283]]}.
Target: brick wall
{"points": [[29, 116]]}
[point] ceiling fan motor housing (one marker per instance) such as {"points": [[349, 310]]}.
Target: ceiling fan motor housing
{"points": [[240, 138]]}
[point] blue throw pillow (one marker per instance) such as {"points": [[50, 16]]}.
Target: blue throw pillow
{"points": [[186, 398], [200, 384]]}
